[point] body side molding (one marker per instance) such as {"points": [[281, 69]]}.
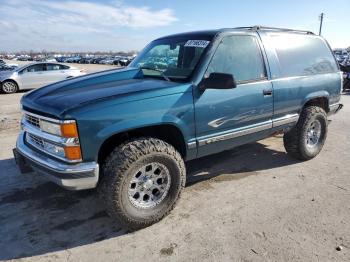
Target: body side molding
{"points": [[287, 119]]}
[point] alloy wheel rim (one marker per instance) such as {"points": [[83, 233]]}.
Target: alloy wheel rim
{"points": [[9, 87], [149, 185], [313, 133]]}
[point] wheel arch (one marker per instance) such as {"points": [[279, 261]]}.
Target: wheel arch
{"points": [[11, 80], [169, 133], [320, 99]]}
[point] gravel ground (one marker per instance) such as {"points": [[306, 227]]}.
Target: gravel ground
{"points": [[252, 203]]}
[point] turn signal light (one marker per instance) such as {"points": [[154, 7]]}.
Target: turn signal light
{"points": [[69, 130], [72, 152]]}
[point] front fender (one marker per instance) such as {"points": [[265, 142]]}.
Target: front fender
{"points": [[100, 122], [131, 124]]}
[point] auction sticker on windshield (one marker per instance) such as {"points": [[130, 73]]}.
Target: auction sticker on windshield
{"points": [[197, 43]]}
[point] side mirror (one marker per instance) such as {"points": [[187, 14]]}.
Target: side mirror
{"points": [[218, 81]]}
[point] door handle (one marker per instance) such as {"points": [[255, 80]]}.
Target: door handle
{"points": [[267, 92]]}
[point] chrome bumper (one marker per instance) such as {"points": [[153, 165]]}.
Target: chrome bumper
{"points": [[70, 176]]}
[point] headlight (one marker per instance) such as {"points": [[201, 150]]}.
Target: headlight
{"points": [[63, 141], [65, 129], [50, 128]]}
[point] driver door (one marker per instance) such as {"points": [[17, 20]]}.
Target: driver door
{"points": [[229, 117], [32, 76]]}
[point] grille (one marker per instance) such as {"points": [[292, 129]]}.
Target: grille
{"points": [[32, 120], [35, 141]]}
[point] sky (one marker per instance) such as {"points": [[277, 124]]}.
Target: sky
{"points": [[117, 25]]}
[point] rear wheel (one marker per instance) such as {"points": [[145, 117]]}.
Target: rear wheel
{"points": [[9, 87], [141, 182], [306, 139]]}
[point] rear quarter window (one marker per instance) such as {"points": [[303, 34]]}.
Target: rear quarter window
{"points": [[301, 55], [34, 68], [63, 67]]}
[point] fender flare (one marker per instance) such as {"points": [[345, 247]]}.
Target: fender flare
{"points": [[107, 134], [315, 95]]}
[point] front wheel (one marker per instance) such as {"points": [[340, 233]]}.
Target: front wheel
{"points": [[142, 180], [9, 87], [306, 139]]}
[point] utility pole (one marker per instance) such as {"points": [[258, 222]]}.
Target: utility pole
{"points": [[321, 22]]}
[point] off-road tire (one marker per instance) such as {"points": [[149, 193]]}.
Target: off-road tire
{"points": [[120, 165], [5, 90], [295, 139]]}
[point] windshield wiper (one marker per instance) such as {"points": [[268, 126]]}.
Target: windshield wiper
{"points": [[157, 70]]}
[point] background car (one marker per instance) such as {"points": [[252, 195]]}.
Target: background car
{"points": [[97, 60], [107, 61], [73, 59], [121, 61], [346, 84], [125, 61], [50, 59], [341, 54], [36, 75], [61, 59], [5, 67], [345, 68], [86, 60], [24, 58]]}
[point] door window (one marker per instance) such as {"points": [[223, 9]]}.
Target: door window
{"points": [[33, 68], [51, 67], [239, 55]]}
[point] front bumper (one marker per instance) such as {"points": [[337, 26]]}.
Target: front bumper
{"points": [[70, 176]]}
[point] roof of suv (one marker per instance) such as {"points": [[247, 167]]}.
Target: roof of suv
{"points": [[204, 33], [212, 33]]}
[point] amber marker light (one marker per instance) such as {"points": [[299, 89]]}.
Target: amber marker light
{"points": [[72, 152], [69, 130]]}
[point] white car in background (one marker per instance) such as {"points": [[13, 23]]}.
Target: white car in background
{"points": [[36, 75]]}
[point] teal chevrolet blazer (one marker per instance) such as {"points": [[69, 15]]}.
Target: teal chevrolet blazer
{"points": [[129, 131]]}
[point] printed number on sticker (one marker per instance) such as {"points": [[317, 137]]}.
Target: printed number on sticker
{"points": [[197, 43]]}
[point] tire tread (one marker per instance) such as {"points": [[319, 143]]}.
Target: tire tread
{"points": [[119, 161], [292, 138]]}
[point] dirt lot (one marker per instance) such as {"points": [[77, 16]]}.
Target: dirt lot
{"points": [[253, 203]]}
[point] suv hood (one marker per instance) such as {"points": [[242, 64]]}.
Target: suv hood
{"points": [[56, 99]]}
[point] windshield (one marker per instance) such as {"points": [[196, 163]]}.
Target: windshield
{"points": [[173, 59]]}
